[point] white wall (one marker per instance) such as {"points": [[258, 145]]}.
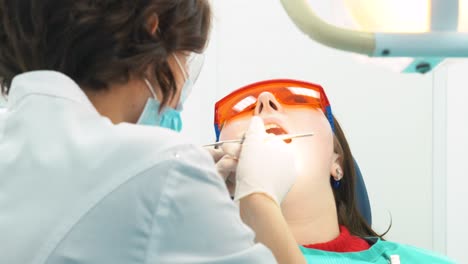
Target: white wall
{"points": [[387, 116], [457, 172], [2, 101]]}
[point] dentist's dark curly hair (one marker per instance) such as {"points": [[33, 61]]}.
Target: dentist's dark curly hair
{"points": [[99, 42]]}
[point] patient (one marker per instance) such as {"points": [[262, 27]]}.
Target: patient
{"points": [[320, 209]]}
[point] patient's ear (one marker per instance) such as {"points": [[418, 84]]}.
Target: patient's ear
{"points": [[153, 24], [336, 169]]}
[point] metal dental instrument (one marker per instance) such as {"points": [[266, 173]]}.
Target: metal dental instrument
{"points": [[241, 140]]}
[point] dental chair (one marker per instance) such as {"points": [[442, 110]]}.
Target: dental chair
{"points": [[362, 197]]}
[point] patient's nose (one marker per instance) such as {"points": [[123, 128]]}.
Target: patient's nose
{"points": [[267, 103]]}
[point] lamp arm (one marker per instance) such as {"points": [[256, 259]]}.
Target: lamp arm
{"points": [[340, 38], [428, 44]]}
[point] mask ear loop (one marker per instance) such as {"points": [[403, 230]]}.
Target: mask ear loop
{"points": [[151, 88], [180, 67]]}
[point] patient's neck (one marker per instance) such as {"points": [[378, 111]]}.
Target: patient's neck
{"points": [[311, 216]]}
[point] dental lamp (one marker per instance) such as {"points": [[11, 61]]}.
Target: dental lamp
{"points": [[441, 40]]}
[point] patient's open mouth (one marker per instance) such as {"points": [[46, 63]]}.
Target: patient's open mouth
{"points": [[277, 130]]}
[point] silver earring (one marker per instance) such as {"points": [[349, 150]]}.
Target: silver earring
{"points": [[337, 182], [339, 173]]}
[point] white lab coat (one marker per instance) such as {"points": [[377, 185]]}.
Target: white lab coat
{"points": [[75, 188]]}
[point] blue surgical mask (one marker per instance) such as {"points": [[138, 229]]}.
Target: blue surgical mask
{"points": [[168, 117]]}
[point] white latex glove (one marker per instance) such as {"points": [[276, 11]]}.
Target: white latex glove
{"points": [[266, 165], [226, 159]]}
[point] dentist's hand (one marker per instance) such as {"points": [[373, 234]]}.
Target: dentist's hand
{"points": [[226, 159], [225, 164], [266, 165]]}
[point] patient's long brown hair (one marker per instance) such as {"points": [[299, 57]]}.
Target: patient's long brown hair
{"points": [[345, 196]]}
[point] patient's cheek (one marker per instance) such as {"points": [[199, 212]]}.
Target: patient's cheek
{"points": [[230, 133], [235, 129]]}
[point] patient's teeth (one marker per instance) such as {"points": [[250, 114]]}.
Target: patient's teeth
{"points": [[269, 126]]}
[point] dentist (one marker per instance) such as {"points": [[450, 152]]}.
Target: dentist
{"points": [[91, 170]]}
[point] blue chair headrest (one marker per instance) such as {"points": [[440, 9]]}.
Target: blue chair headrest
{"points": [[362, 197]]}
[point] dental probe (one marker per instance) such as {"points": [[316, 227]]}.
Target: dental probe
{"points": [[241, 140]]}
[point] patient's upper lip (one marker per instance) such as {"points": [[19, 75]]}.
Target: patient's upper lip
{"points": [[271, 120], [276, 121]]}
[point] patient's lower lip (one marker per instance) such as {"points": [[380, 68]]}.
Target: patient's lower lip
{"points": [[279, 131], [276, 131]]}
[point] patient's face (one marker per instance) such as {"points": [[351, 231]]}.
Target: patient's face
{"points": [[313, 155]]}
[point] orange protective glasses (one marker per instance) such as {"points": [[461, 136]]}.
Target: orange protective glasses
{"points": [[287, 92]]}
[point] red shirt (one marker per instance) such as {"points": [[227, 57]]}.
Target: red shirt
{"points": [[345, 242]]}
